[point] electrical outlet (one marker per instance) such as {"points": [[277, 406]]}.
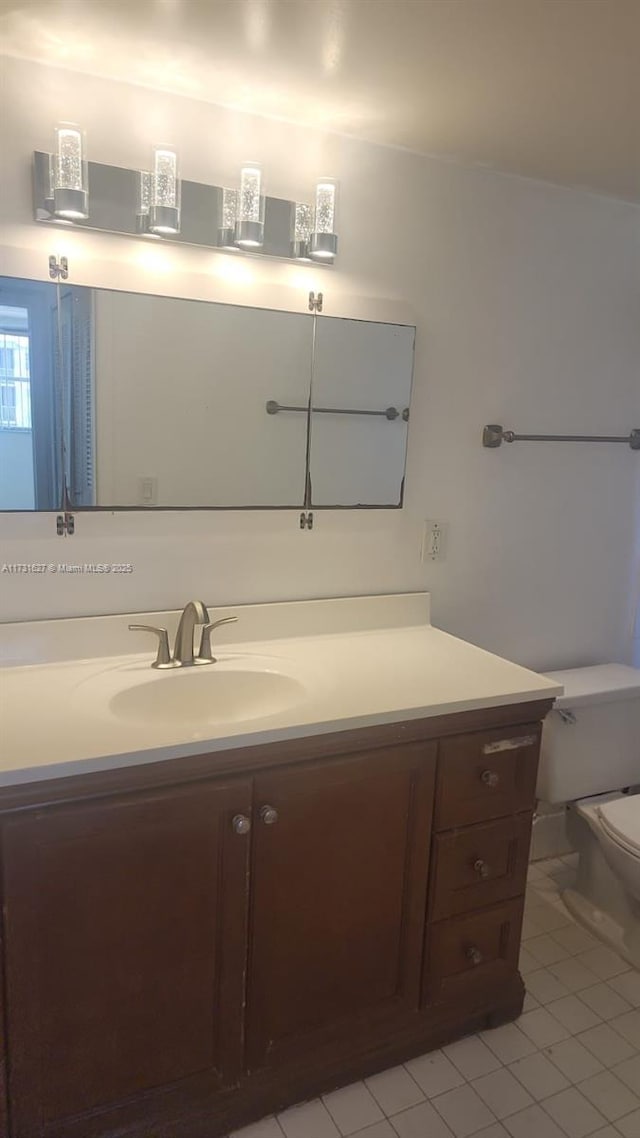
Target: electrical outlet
{"points": [[434, 541]]}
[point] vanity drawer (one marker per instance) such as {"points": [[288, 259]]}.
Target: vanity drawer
{"points": [[486, 775], [479, 865], [467, 955]]}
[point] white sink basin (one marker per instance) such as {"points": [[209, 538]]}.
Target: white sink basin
{"points": [[237, 689], [210, 694]]}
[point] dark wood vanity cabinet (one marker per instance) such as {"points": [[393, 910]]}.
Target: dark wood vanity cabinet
{"points": [[192, 944]]}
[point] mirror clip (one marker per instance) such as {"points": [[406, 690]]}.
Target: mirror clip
{"points": [[65, 524], [306, 519], [315, 302], [58, 269]]}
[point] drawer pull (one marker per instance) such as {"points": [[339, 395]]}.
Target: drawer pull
{"points": [[241, 824], [269, 815], [481, 868], [509, 744], [490, 778], [473, 954]]}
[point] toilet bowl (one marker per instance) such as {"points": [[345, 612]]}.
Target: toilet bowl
{"points": [[605, 830], [590, 761]]}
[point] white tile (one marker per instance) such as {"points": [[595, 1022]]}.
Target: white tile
{"points": [[573, 1014], [420, 1121], [531, 928], [575, 939], [463, 1111], [527, 962], [266, 1128], [502, 1093], [394, 1090], [628, 986], [542, 1028], [472, 1057], [352, 1108], [546, 949], [606, 1044], [508, 1042], [549, 917], [534, 872], [575, 1062], [612, 1098], [545, 986], [573, 974], [311, 1120], [629, 1027], [541, 1077], [629, 1072], [434, 1073], [497, 1130], [604, 1001], [607, 1132], [529, 1002], [378, 1130], [604, 962], [629, 1127], [574, 1113], [532, 1123]]}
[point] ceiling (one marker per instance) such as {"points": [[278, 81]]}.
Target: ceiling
{"points": [[543, 88]]}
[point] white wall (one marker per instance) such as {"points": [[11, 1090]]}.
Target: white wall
{"points": [[526, 299]]}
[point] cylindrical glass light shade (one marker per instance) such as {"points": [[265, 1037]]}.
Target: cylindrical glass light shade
{"points": [[69, 174], [145, 189], [324, 240], [164, 210], [250, 216], [303, 225], [227, 231]]}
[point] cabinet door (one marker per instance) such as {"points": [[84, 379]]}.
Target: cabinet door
{"points": [[339, 881], [125, 942]]}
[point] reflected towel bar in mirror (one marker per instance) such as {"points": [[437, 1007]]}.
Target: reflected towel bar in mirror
{"points": [[494, 435], [273, 408]]}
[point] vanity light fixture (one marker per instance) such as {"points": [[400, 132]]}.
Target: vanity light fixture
{"points": [[324, 239], [69, 174], [250, 215], [303, 225], [227, 231], [164, 209]]}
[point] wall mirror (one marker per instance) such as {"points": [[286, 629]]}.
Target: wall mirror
{"points": [[118, 400]]}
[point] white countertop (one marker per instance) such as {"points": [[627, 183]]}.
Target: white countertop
{"points": [[55, 714]]}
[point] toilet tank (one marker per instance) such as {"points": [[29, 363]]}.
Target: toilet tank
{"points": [[591, 739]]}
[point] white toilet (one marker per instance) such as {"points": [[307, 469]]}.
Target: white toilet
{"points": [[591, 761]]}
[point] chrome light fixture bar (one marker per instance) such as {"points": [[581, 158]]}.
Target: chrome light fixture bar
{"points": [[324, 239], [164, 209], [69, 174], [128, 201]]}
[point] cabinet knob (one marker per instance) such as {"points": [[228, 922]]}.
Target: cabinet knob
{"points": [[490, 778], [269, 815], [481, 867], [241, 824], [473, 954]]}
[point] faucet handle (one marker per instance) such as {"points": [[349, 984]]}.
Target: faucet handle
{"points": [[163, 659], [204, 655]]}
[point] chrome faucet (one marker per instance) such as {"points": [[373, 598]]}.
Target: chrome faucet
{"points": [[193, 613]]}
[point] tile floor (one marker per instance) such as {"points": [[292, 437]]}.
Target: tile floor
{"points": [[568, 1068]]}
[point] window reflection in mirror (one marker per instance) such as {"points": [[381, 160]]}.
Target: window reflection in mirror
{"points": [[30, 460]]}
